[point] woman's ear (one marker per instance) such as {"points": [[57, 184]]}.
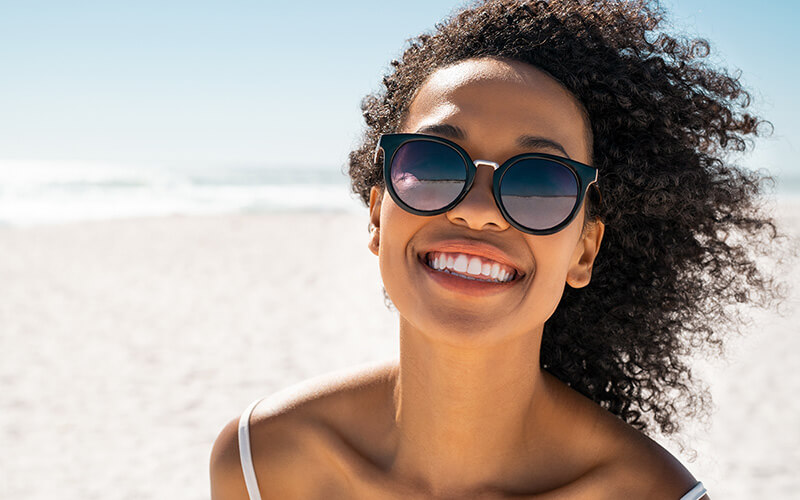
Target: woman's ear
{"points": [[580, 270], [375, 198]]}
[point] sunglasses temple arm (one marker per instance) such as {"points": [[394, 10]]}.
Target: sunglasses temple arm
{"points": [[599, 194]]}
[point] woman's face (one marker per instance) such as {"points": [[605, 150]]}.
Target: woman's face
{"points": [[492, 102]]}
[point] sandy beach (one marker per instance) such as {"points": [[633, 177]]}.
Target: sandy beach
{"points": [[126, 345]]}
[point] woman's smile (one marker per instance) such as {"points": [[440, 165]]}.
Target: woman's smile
{"points": [[470, 267], [465, 283]]}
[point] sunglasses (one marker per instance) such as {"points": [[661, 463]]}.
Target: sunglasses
{"points": [[537, 193]]}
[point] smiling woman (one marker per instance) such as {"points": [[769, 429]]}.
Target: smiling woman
{"points": [[544, 328]]}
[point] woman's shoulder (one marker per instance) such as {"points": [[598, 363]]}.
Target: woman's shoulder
{"points": [[292, 432], [643, 466], [628, 462], [271, 466]]}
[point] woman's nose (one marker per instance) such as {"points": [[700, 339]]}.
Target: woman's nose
{"points": [[478, 210]]}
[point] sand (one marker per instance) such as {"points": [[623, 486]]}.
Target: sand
{"points": [[126, 345]]}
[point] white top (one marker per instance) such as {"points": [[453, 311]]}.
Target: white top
{"points": [[695, 493], [246, 457]]}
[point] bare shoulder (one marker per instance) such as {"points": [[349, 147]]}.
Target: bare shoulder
{"points": [[290, 438], [286, 449], [628, 463], [275, 464], [227, 480], [639, 467]]}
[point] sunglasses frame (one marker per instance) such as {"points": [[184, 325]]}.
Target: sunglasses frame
{"points": [[584, 174]]}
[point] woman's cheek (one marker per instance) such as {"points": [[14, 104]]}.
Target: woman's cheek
{"points": [[396, 267], [549, 279]]}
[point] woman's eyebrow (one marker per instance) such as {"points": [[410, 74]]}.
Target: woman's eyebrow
{"points": [[445, 129], [523, 141], [536, 142]]}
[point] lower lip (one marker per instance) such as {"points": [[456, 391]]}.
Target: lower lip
{"points": [[463, 285]]}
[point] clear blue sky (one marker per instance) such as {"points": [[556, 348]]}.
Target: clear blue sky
{"points": [[256, 83]]}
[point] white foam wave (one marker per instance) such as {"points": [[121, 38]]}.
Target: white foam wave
{"points": [[54, 192]]}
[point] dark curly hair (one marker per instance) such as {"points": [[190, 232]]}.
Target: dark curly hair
{"points": [[683, 225]]}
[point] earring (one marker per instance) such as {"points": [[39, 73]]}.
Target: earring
{"points": [[374, 230]]}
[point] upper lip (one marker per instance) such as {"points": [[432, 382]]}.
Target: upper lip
{"points": [[472, 247]]}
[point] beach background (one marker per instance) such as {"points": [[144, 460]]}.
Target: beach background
{"points": [[163, 265]]}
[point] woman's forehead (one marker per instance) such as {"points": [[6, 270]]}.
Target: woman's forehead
{"points": [[493, 69], [501, 98]]}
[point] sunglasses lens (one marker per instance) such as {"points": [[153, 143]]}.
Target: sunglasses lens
{"points": [[427, 175], [538, 193]]}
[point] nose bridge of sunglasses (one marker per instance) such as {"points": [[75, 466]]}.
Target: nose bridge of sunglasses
{"points": [[487, 163], [492, 164]]}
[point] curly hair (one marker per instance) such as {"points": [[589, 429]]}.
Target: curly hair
{"points": [[683, 225]]}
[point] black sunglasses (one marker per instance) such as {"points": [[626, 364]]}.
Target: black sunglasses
{"points": [[537, 193]]}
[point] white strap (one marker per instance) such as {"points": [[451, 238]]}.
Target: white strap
{"points": [[695, 493], [245, 455]]}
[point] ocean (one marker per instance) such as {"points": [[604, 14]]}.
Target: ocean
{"points": [[33, 193]]}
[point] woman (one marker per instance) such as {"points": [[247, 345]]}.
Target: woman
{"points": [[543, 327]]}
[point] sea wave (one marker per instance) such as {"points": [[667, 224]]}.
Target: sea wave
{"points": [[56, 192]]}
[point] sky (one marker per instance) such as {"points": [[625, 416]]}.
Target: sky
{"points": [[249, 83]]}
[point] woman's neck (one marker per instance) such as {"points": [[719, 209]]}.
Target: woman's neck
{"points": [[467, 417]]}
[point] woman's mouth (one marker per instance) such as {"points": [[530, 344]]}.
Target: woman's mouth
{"points": [[470, 267], [468, 274]]}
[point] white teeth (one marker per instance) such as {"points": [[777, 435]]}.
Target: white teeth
{"points": [[474, 266], [470, 266]]}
